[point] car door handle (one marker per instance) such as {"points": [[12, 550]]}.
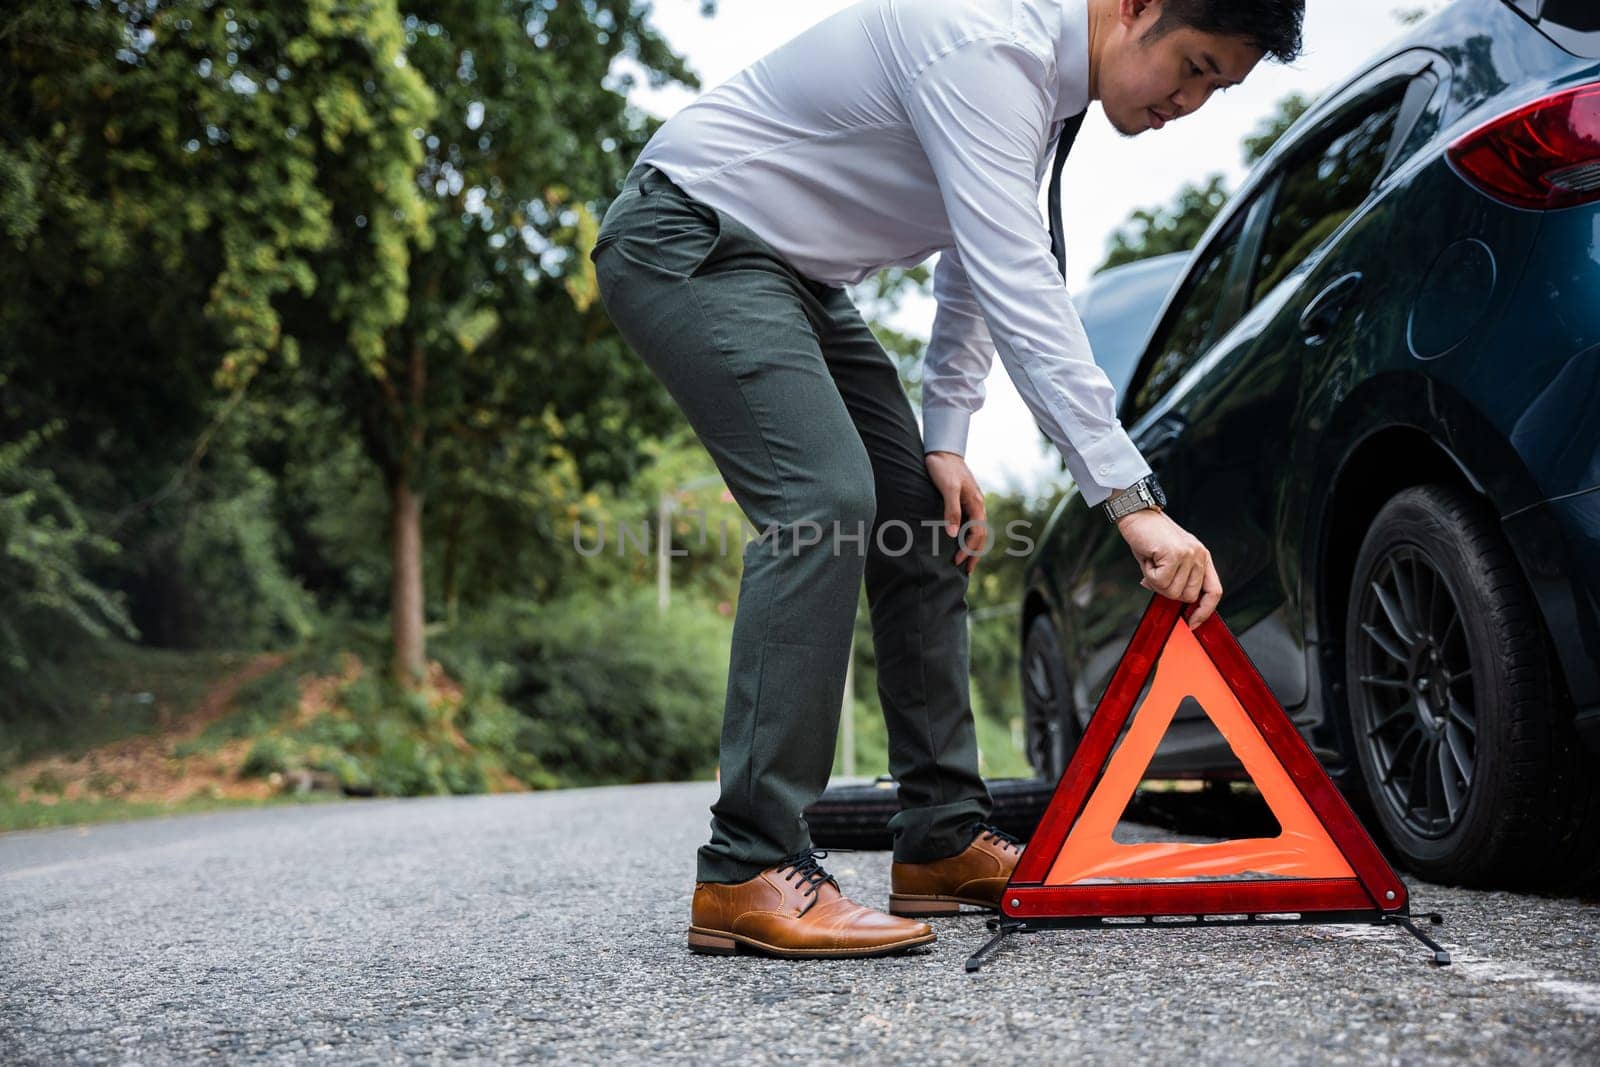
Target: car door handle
{"points": [[1322, 314]]}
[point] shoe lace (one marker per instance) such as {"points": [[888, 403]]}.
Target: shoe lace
{"points": [[989, 830], [805, 872]]}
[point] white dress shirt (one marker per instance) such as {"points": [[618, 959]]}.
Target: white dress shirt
{"points": [[895, 129]]}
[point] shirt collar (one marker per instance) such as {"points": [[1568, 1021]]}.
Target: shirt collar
{"points": [[1072, 59]]}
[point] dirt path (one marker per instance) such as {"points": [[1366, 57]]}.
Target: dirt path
{"points": [[146, 767]]}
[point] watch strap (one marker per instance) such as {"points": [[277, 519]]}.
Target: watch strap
{"points": [[1139, 495]]}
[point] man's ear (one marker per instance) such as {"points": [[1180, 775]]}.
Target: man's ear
{"points": [[1138, 13]]}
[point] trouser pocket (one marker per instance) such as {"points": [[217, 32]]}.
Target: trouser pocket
{"points": [[684, 232], [661, 226], [601, 244], [625, 213]]}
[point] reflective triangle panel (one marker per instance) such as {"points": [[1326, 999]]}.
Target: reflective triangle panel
{"points": [[1321, 860]]}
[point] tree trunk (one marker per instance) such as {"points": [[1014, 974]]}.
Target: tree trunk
{"points": [[405, 601], [410, 665]]}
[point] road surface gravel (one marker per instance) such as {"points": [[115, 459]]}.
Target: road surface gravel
{"points": [[550, 926]]}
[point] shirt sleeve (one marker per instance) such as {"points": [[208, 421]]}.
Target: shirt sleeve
{"points": [[959, 355], [980, 117]]}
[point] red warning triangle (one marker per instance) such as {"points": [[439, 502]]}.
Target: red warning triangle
{"points": [[1320, 864]]}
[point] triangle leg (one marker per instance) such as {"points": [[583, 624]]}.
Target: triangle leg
{"points": [[1003, 929], [1441, 958]]}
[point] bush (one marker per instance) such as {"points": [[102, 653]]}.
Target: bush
{"points": [[580, 691], [48, 601], [370, 734], [231, 555], [605, 689], [270, 754]]}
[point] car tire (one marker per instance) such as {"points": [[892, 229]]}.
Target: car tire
{"points": [[1049, 725], [1465, 751], [857, 816]]}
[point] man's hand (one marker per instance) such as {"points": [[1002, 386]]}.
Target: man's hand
{"points": [[1174, 563], [963, 502]]}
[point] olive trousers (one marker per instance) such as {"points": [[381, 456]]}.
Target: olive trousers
{"points": [[804, 415]]}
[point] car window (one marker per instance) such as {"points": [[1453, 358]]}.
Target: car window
{"points": [[1189, 326], [1322, 189], [1118, 309], [1418, 118]]}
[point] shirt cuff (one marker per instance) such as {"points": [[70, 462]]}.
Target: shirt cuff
{"points": [[944, 429], [1111, 463]]}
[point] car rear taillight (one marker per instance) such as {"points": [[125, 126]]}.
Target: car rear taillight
{"points": [[1543, 155]]}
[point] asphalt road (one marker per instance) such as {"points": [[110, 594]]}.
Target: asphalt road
{"points": [[551, 926]]}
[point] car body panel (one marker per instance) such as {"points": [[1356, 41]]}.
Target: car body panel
{"points": [[1433, 329]]}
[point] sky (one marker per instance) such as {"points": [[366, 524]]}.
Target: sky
{"points": [[1106, 178]]}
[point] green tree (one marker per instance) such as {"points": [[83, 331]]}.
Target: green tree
{"points": [[167, 174], [383, 215], [1274, 126], [46, 595], [1178, 226], [501, 383], [1174, 228]]}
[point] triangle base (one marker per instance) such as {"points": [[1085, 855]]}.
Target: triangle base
{"points": [[1004, 928], [1190, 899]]}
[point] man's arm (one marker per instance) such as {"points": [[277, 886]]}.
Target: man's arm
{"points": [[959, 355], [979, 115]]}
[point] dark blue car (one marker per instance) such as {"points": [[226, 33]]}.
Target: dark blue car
{"points": [[1375, 395]]}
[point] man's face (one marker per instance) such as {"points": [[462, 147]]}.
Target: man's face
{"points": [[1148, 80]]}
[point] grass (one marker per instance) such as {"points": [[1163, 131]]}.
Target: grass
{"points": [[999, 755], [36, 815], [108, 697]]}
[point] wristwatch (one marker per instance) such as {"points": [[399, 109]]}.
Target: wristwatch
{"points": [[1144, 493]]}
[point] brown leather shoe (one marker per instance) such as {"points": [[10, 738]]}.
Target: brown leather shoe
{"points": [[795, 910], [976, 876]]}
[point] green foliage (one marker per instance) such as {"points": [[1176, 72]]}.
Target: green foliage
{"points": [[378, 224], [224, 149], [377, 738], [233, 548], [882, 295], [370, 226], [270, 754], [88, 692], [227, 151], [505, 394], [1178, 226], [1274, 126], [606, 690], [47, 596], [546, 695]]}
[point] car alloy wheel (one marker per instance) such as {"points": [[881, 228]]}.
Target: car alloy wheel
{"points": [[1420, 722], [1463, 731]]}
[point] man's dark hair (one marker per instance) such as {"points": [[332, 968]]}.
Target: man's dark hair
{"points": [[1271, 25]]}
